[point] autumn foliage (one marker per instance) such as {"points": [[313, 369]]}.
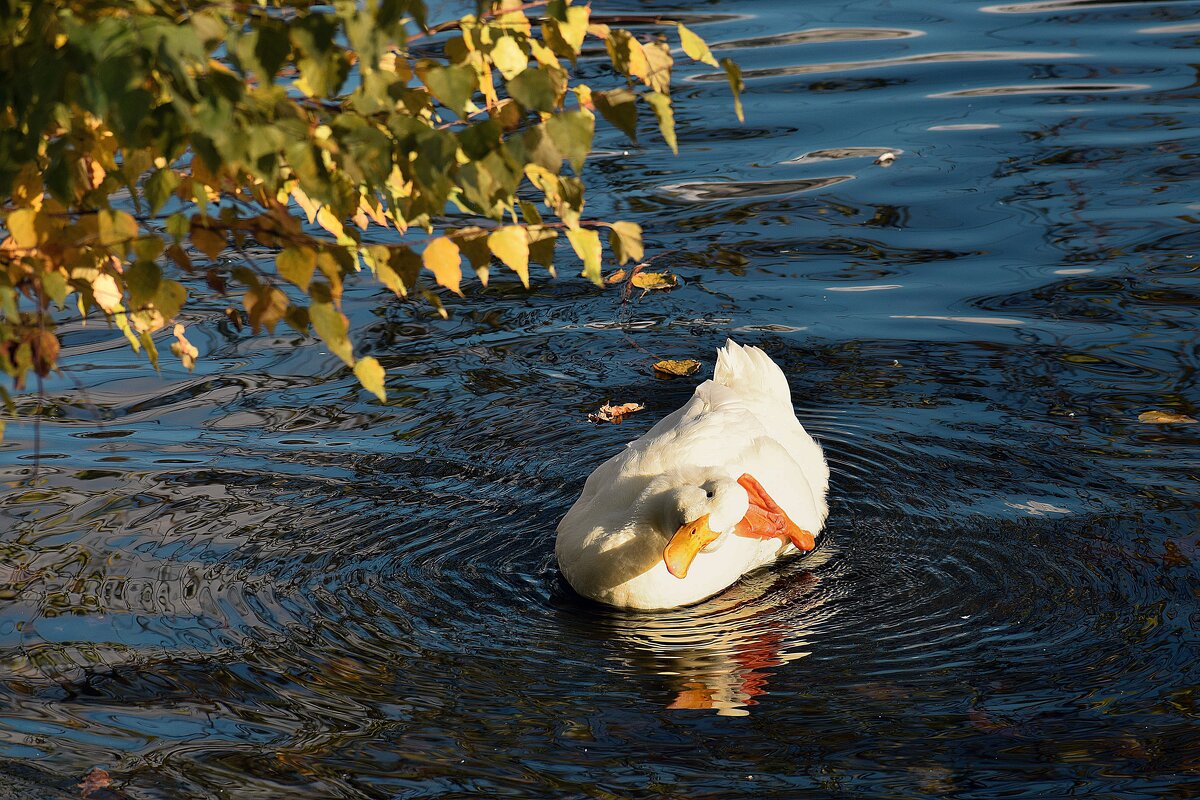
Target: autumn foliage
{"points": [[141, 140]]}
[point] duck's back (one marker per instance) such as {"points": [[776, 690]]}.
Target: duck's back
{"points": [[762, 387]]}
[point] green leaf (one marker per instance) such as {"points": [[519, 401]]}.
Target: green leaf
{"points": [[538, 88], [169, 298], [159, 188], [452, 86], [587, 247], [572, 134], [405, 265], [178, 226], [625, 239], [619, 107], [473, 242], [370, 374], [666, 118], [55, 286], [333, 328], [142, 281], [296, 265], [734, 73], [116, 228], [695, 47], [147, 341], [541, 247]]}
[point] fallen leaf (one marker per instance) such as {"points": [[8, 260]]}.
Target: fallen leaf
{"points": [[611, 413], [677, 368], [614, 277], [1163, 418], [654, 281], [184, 350], [96, 780]]}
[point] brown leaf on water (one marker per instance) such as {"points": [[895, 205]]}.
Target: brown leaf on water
{"points": [[614, 277], [676, 368], [96, 780], [611, 413], [1164, 418], [654, 281]]}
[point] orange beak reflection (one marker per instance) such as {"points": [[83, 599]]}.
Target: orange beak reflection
{"points": [[689, 540]]}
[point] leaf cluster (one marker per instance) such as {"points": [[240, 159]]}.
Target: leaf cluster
{"points": [[142, 140]]}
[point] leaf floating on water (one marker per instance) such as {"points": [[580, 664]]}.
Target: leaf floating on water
{"points": [[614, 414], [679, 369], [654, 281], [96, 780], [1164, 418], [614, 277], [184, 350]]}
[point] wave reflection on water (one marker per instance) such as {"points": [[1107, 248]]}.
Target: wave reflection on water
{"points": [[258, 582]]}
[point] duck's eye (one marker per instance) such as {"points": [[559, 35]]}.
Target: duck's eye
{"points": [[709, 494]]}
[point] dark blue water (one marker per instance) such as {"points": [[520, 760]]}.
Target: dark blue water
{"points": [[255, 581]]}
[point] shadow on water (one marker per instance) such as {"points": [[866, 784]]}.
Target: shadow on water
{"points": [[257, 582]]}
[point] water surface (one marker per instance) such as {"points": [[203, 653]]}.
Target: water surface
{"points": [[256, 581]]}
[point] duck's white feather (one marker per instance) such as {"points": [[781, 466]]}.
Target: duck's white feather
{"points": [[610, 544]]}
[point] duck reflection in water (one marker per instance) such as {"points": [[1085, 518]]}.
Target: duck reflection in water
{"points": [[720, 655]]}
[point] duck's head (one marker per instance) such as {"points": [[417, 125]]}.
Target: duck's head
{"points": [[699, 514], [701, 511]]}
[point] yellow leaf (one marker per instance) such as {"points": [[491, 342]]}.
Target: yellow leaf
{"points": [[370, 374], [443, 258], [666, 118], [508, 57], [511, 245], [1164, 418], [106, 293], [695, 47], [329, 222], [332, 326], [21, 224], [734, 74], [587, 247], [614, 277], [625, 239], [658, 73], [296, 265], [654, 281], [309, 207], [677, 368], [116, 228], [627, 54]]}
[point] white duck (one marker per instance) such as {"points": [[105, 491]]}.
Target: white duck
{"points": [[727, 483]]}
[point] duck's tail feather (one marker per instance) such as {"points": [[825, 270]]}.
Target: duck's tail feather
{"points": [[751, 373]]}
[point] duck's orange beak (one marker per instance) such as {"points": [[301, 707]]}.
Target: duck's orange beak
{"points": [[689, 540]]}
